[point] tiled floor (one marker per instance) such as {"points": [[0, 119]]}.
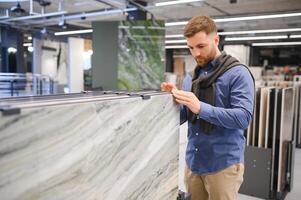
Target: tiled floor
{"points": [[295, 194]]}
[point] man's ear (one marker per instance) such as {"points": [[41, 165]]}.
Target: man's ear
{"points": [[216, 39]]}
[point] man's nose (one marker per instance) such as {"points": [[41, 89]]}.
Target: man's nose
{"points": [[196, 53]]}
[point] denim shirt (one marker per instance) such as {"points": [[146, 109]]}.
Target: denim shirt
{"points": [[231, 114]]}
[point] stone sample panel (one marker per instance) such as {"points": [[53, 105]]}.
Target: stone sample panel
{"points": [[90, 147]]}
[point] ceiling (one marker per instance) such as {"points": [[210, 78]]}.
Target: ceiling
{"points": [[80, 14]]}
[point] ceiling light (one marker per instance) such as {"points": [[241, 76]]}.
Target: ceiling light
{"points": [[257, 38], [29, 38], [74, 32], [295, 36], [175, 41], [174, 36], [176, 47], [245, 32], [30, 49], [176, 23], [44, 31], [62, 22], [247, 18], [276, 44], [17, 9], [27, 44], [260, 31], [44, 3], [11, 50], [232, 19], [167, 3]]}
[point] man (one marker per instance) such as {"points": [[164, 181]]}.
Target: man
{"points": [[218, 104]]}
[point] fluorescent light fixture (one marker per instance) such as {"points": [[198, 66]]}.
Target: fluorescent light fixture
{"points": [[142, 27], [234, 19], [246, 32], [260, 31], [74, 32], [256, 38], [27, 44], [295, 36], [167, 3], [175, 41], [247, 18], [12, 50], [176, 23], [176, 47], [146, 36], [133, 27], [30, 49], [276, 44], [174, 36]]}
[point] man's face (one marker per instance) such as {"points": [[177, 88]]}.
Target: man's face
{"points": [[203, 47]]}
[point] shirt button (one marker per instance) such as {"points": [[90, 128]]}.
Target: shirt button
{"points": [[196, 149], [197, 134]]}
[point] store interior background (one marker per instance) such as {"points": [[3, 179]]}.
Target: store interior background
{"points": [[32, 42]]}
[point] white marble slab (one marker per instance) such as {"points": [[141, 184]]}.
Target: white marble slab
{"points": [[113, 149]]}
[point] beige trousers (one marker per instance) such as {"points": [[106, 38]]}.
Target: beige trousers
{"points": [[223, 185]]}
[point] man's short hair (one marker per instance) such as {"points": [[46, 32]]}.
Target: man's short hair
{"points": [[198, 24]]}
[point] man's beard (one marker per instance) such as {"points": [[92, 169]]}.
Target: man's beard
{"points": [[203, 61]]}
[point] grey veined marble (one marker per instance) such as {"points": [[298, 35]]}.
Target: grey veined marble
{"points": [[107, 149]]}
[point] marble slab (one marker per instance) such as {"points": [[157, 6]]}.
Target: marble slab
{"points": [[271, 117], [123, 148], [263, 116], [299, 118], [276, 114], [141, 54], [286, 129], [256, 118], [297, 110]]}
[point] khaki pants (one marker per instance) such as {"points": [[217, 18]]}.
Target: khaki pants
{"points": [[223, 185]]}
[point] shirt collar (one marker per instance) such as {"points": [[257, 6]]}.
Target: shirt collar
{"points": [[209, 67]]}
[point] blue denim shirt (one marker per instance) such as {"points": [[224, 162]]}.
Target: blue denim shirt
{"points": [[232, 113]]}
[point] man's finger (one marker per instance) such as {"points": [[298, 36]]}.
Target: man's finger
{"points": [[181, 97], [186, 103], [182, 93]]}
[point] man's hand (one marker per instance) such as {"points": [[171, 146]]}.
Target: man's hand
{"points": [[167, 87], [188, 99]]}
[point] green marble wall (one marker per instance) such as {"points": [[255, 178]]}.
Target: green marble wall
{"points": [[140, 54]]}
